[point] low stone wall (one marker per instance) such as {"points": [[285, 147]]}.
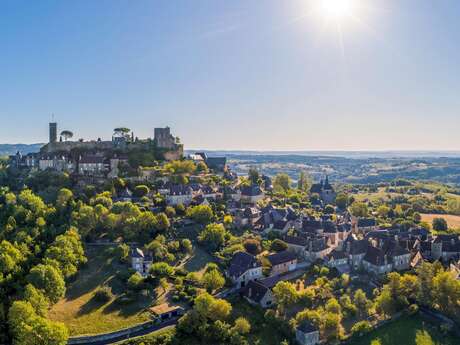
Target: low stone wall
{"points": [[108, 336]]}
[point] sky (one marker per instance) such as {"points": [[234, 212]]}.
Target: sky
{"points": [[235, 75]]}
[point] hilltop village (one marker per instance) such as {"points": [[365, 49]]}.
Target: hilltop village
{"points": [[199, 247]]}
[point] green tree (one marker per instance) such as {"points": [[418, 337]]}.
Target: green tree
{"points": [[201, 167], [28, 328], [202, 213], [361, 327], [285, 295], [48, 279], [37, 299], [304, 181], [342, 201], [141, 190], [359, 209], [213, 236], [162, 270], [162, 222], [363, 304], [213, 280], [282, 182], [440, 224], [422, 337], [211, 307], [278, 245], [135, 282], [254, 176], [242, 326]]}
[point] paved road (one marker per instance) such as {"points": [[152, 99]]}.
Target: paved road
{"points": [[139, 333]]}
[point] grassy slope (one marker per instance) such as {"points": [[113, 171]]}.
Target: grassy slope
{"points": [[82, 314], [403, 331]]}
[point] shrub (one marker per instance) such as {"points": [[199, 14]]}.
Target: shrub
{"points": [[278, 245], [361, 328], [413, 309], [103, 295]]}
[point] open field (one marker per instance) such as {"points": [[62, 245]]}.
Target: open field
{"points": [[381, 194], [198, 260], [452, 221], [83, 315], [404, 331]]}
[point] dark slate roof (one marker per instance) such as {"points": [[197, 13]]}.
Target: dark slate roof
{"points": [[207, 189], [446, 238], [329, 227], [366, 222], [316, 188], [91, 160], [396, 250], [251, 212], [344, 227], [281, 257], [213, 162], [271, 281], [295, 240], [280, 224], [337, 255], [358, 247], [375, 256], [180, 190], [382, 234], [311, 224], [306, 327], [252, 190], [318, 244], [425, 246], [241, 262], [448, 247], [255, 291], [419, 232]]}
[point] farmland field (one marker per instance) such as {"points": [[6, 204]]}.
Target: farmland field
{"points": [[452, 221]]}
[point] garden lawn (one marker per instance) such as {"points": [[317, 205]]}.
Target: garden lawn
{"points": [[82, 314], [404, 332]]}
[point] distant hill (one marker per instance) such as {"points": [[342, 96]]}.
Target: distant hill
{"points": [[11, 149]]}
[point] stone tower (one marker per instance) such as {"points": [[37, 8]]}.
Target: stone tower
{"points": [[53, 132]]}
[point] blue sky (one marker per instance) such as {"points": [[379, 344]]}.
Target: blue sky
{"points": [[240, 74]]}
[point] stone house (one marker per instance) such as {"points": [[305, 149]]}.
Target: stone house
{"points": [[140, 261], [307, 334], [251, 194], [257, 293], [243, 268], [282, 262], [179, 194]]}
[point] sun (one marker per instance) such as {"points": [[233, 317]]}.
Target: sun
{"points": [[337, 10]]}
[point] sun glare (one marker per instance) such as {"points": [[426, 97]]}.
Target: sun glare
{"points": [[336, 9]]}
